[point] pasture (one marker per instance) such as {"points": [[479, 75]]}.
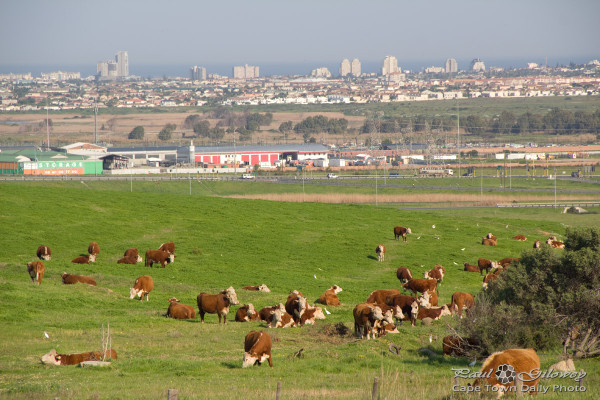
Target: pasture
{"points": [[223, 242]]}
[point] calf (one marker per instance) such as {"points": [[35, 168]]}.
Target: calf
{"points": [[36, 271], [421, 285], [261, 288], [44, 253], [524, 362], [405, 303], [295, 305], [257, 349], [127, 260], [53, 358], [365, 316], [403, 274], [455, 345], [280, 319], [142, 286], [461, 300], [93, 250], [169, 247], [401, 231], [381, 296], [216, 303], [505, 262], [521, 238], [488, 242], [471, 268], [436, 273], [133, 253], [555, 243], [246, 313], [329, 298], [380, 250], [84, 259], [433, 313], [486, 265], [69, 279], [310, 315], [158, 256], [265, 312], [177, 310]]}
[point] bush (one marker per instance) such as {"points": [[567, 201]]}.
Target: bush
{"points": [[137, 133]]}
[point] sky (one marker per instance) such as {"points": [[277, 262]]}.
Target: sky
{"points": [[236, 32]]}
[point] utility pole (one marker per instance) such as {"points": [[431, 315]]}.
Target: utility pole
{"points": [[458, 135], [95, 122], [47, 126]]}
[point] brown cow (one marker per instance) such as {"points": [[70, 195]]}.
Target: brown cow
{"points": [[36, 271], [158, 256], [44, 253], [169, 247], [380, 296], [365, 315], [53, 358], [401, 231], [265, 312], [217, 303], [461, 300], [246, 313], [436, 273], [537, 244], [257, 349], [261, 288], [491, 237], [405, 303], [488, 242], [177, 310], [280, 319], [380, 250], [486, 265], [310, 315], [127, 260], [69, 279], [133, 253], [455, 345], [488, 278], [421, 285], [433, 313], [142, 286], [555, 243], [93, 250], [403, 274], [329, 298], [471, 268], [507, 261], [433, 298], [84, 259], [521, 238], [295, 305], [524, 362]]}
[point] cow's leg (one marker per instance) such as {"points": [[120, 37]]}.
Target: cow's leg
{"points": [[270, 361], [201, 312], [219, 314]]}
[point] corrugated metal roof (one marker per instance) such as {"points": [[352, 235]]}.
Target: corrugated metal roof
{"points": [[275, 148], [33, 154]]}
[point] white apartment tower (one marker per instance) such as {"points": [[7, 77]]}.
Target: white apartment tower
{"points": [[114, 69], [345, 67], [245, 71], [390, 66], [451, 66], [355, 68], [122, 60], [197, 73], [322, 72], [477, 65]]}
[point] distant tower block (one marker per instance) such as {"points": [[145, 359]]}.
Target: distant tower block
{"points": [[345, 67], [355, 67], [451, 66]]}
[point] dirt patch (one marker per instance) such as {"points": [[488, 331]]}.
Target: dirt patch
{"points": [[338, 329]]}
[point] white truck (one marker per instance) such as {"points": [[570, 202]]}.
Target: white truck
{"points": [[436, 171]]}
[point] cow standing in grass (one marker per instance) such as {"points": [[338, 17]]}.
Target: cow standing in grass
{"points": [[216, 303]]}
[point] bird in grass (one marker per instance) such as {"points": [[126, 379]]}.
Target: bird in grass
{"points": [[326, 311], [430, 339], [46, 334], [472, 363], [433, 226]]}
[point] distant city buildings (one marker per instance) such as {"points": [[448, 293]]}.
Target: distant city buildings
{"points": [[345, 67], [320, 73], [451, 66], [355, 68], [390, 66], [108, 70], [197, 73], [60, 76], [245, 72], [435, 70], [477, 65]]}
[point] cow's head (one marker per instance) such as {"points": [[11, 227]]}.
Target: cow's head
{"points": [[171, 258], [173, 300], [302, 305], [92, 258], [137, 292], [249, 360], [377, 313], [319, 313], [336, 289], [264, 288], [424, 300], [277, 316], [408, 231], [445, 311], [139, 258], [398, 312], [414, 309], [388, 316], [231, 295], [51, 358]]}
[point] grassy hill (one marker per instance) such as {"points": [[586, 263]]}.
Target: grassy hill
{"points": [[223, 242]]}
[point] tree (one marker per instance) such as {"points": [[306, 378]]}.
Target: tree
{"points": [[166, 131], [474, 124], [137, 133], [286, 127], [191, 120], [202, 128]]}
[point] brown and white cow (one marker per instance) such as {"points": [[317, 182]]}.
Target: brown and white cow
{"points": [[310, 315], [471, 268], [329, 298], [265, 312], [169, 247], [142, 286], [380, 250], [526, 365], [246, 313], [69, 279], [537, 244], [261, 288], [507, 261], [486, 265], [461, 300], [491, 237], [134, 254], [406, 305], [178, 310], [36, 271], [434, 313], [488, 242], [555, 243], [487, 278], [380, 296], [295, 305], [127, 260], [280, 319], [257, 349], [436, 273], [401, 231], [44, 253], [421, 285], [365, 316], [433, 298], [84, 259], [521, 238], [404, 274], [217, 303], [53, 358], [93, 250], [158, 256], [455, 345]]}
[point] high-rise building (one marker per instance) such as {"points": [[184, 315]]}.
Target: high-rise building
{"points": [[355, 67], [345, 67], [451, 66], [197, 73], [245, 72], [122, 60], [477, 65], [321, 73], [390, 66]]}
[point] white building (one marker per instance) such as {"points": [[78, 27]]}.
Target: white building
{"points": [[322, 72], [451, 66], [477, 65], [345, 67], [245, 72], [355, 68], [122, 60], [198, 73], [390, 66]]}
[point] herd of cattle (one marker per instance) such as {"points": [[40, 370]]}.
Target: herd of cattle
{"points": [[377, 316]]}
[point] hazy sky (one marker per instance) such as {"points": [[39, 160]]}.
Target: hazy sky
{"points": [[197, 32]]}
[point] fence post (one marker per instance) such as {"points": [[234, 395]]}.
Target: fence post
{"points": [[278, 393], [172, 394], [518, 386], [375, 389], [581, 380]]}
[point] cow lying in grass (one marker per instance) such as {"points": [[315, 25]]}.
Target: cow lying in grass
{"points": [[53, 358]]}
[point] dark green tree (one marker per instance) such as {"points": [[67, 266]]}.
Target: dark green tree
{"points": [[166, 132], [137, 133]]}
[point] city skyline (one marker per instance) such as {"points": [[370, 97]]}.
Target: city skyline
{"points": [[272, 32]]}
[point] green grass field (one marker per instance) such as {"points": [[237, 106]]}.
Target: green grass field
{"points": [[223, 242]]}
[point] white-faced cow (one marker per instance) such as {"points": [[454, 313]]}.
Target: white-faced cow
{"points": [[257, 349], [488, 242], [93, 250], [44, 253], [69, 279], [436, 273], [142, 286], [365, 316], [406, 305], [380, 250], [53, 358], [178, 310], [434, 313], [486, 265], [84, 259], [295, 305], [36, 271], [329, 298], [133, 254], [401, 231], [246, 313], [261, 288], [421, 285], [217, 303], [555, 243], [265, 312], [169, 247]]}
